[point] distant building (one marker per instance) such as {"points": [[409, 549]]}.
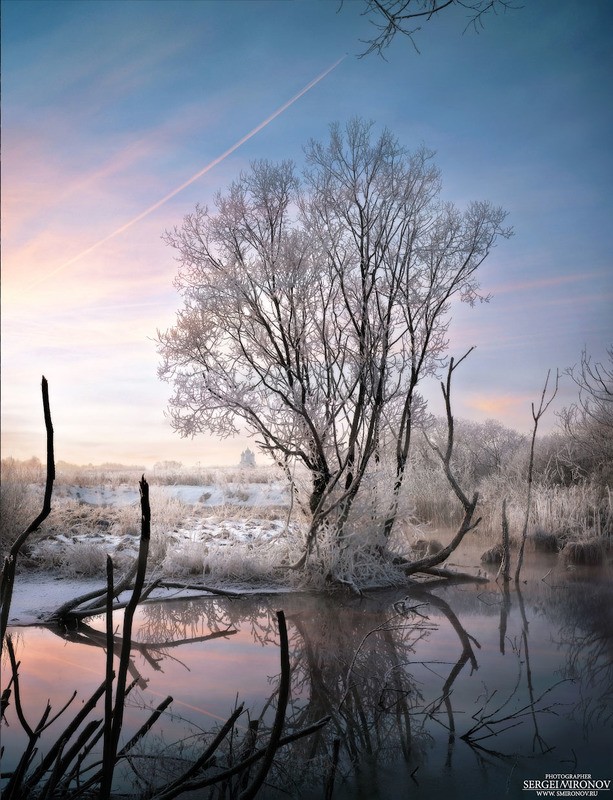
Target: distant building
{"points": [[247, 459]]}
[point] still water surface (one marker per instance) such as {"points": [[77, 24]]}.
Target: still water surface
{"points": [[460, 691]]}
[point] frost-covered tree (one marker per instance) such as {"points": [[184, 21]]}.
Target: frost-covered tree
{"points": [[313, 308], [485, 449], [588, 422]]}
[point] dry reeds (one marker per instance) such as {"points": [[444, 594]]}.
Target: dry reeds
{"points": [[19, 502], [558, 513], [493, 555], [543, 542], [584, 552], [426, 547]]}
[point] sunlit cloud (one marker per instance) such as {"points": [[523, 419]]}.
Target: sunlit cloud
{"points": [[497, 406], [109, 107], [49, 185], [550, 282], [122, 228]]}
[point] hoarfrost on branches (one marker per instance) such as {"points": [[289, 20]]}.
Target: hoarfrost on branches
{"points": [[313, 306]]}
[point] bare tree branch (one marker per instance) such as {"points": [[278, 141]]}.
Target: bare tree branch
{"points": [[392, 17], [536, 416], [313, 310]]}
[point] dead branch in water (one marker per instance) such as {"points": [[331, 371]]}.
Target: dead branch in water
{"points": [[536, 416], [505, 563], [10, 563], [61, 771], [69, 608], [469, 505], [115, 720]]}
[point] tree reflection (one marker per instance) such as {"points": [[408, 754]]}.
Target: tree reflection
{"points": [[354, 661], [587, 638], [388, 671], [354, 670], [358, 664], [182, 620]]}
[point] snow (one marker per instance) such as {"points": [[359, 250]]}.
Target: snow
{"points": [[239, 494], [227, 535], [37, 595], [205, 534]]}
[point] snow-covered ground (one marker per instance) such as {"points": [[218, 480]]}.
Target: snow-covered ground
{"points": [[211, 495], [228, 535], [36, 595], [215, 534]]}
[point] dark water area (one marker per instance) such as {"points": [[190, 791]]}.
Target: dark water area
{"points": [[436, 692]]}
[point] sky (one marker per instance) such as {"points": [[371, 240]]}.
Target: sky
{"points": [[118, 117]]}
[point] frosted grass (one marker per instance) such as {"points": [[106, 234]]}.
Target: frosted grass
{"points": [[241, 527]]}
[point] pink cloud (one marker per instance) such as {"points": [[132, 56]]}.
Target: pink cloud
{"points": [[498, 406], [546, 283]]}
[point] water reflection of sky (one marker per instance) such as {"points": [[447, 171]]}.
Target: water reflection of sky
{"points": [[396, 668]]}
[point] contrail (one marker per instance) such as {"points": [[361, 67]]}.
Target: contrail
{"points": [[195, 177]]}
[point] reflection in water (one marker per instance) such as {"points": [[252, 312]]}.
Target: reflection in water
{"points": [[427, 692], [356, 668], [586, 638]]}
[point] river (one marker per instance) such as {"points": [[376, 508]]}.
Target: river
{"points": [[434, 692]]}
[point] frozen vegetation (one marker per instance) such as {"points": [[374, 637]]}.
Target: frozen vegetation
{"points": [[236, 529], [232, 531]]}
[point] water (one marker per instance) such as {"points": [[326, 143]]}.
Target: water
{"points": [[463, 691]]}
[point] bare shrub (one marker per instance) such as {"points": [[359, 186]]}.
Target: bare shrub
{"points": [[72, 558], [432, 500], [187, 558], [241, 563], [588, 552], [19, 500], [426, 547], [543, 542], [588, 422], [494, 555]]}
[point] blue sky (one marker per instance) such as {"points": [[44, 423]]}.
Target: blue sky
{"points": [[110, 107]]}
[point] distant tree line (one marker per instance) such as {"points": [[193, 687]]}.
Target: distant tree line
{"points": [[579, 448]]}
